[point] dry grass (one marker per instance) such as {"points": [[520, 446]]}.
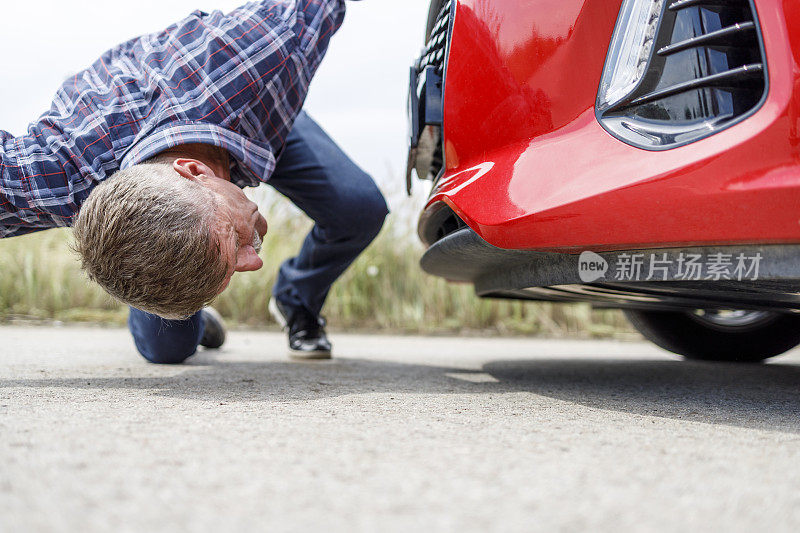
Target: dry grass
{"points": [[385, 290]]}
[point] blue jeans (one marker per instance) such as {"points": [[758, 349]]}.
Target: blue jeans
{"points": [[348, 210]]}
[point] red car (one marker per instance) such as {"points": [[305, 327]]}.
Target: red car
{"points": [[636, 154]]}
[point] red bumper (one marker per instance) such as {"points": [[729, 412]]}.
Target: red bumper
{"points": [[529, 166]]}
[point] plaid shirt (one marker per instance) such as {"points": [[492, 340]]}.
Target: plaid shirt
{"points": [[236, 81]]}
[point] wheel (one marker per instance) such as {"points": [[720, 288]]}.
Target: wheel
{"points": [[711, 335]]}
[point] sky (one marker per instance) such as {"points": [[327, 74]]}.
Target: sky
{"points": [[358, 95]]}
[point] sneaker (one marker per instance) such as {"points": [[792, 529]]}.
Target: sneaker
{"points": [[307, 339], [214, 334]]}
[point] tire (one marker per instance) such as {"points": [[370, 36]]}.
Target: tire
{"points": [[744, 336]]}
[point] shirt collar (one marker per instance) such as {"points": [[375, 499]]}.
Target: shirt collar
{"points": [[252, 162]]}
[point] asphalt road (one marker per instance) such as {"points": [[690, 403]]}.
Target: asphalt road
{"points": [[396, 434]]}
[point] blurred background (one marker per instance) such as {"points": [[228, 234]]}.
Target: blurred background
{"points": [[358, 96]]}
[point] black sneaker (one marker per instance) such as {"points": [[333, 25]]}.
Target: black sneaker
{"points": [[307, 339], [214, 334]]}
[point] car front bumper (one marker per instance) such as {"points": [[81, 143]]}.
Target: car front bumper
{"points": [[528, 166]]}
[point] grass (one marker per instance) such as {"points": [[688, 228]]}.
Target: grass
{"points": [[385, 290]]}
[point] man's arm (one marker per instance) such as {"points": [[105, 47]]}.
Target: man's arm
{"points": [[310, 22], [316, 26], [248, 48], [17, 216], [248, 70]]}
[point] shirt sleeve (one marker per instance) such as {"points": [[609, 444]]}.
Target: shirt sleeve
{"points": [[310, 23], [281, 40], [17, 215], [315, 25], [212, 52], [302, 29], [248, 70], [259, 58]]}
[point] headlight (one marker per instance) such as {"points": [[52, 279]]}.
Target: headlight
{"points": [[630, 50], [680, 70]]}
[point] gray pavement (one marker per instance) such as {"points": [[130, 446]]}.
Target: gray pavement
{"points": [[396, 434]]}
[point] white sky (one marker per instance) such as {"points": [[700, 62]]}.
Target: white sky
{"points": [[358, 95]]}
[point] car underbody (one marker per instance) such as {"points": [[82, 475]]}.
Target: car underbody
{"points": [[464, 256]]}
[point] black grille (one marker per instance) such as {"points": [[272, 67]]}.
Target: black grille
{"points": [[705, 73], [436, 47], [427, 80]]}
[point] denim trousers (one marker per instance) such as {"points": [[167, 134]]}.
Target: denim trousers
{"points": [[347, 208]]}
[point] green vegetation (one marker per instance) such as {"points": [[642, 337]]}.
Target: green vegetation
{"points": [[385, 290]]}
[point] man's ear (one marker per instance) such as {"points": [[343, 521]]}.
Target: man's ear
{"points": [[192, 169]]}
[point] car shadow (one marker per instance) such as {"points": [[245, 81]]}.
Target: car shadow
{"points": [[762, 396], [740, 395]]}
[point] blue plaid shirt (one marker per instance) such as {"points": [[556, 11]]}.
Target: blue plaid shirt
{"points": [[236, 81]]}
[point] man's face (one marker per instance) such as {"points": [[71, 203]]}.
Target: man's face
{"points": [[238, 225]]}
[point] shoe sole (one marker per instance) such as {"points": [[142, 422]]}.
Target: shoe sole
{"points": [[311, 356]]}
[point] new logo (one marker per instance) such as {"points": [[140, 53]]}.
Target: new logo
{"points": [[591, 267]]}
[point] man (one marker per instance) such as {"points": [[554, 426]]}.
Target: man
{"points": [[146, 152]]}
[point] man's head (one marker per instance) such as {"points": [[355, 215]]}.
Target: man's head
{"points": [[167, 235]]}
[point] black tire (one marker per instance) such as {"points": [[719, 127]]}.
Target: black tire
{"points": [[695, 336]]}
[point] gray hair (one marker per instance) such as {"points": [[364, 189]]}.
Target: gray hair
{"points": [[146, 235]]}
